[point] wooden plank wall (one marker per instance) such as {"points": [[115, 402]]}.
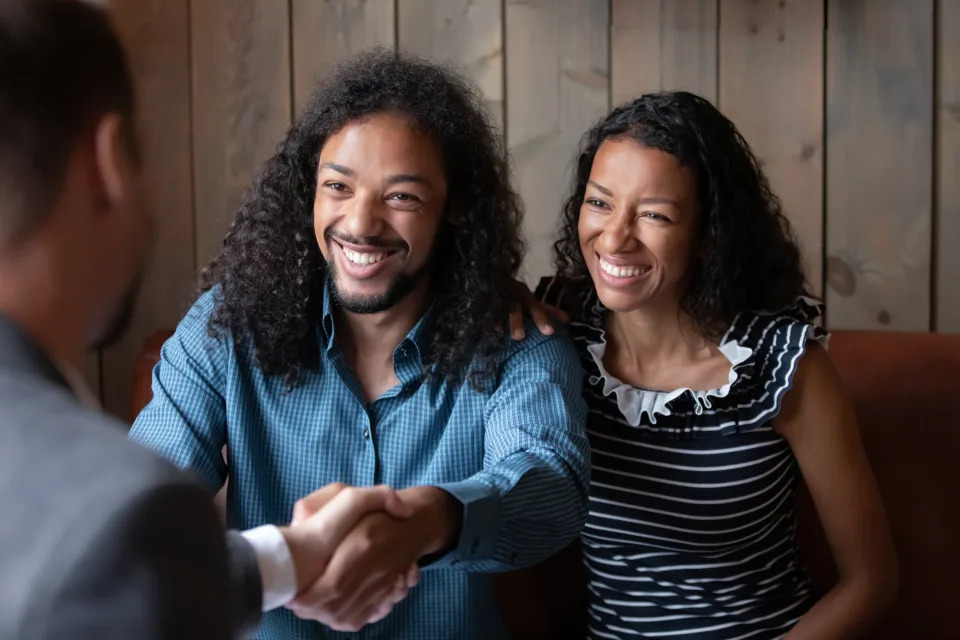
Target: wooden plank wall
{"points": [[465, 33], [879, 114], [157, 35], [557, 87], [947, 168], [661, 45], [325, 33], [771, 85], [241, 99], [852, 106]]}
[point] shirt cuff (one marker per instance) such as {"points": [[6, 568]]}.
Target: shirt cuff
{"points": [[277, 573], [480, 521]]}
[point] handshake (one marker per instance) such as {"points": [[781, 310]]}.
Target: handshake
{"points": [[356, 550]]}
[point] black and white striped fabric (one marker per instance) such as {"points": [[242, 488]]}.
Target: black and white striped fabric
{"points": [[691, 526]]}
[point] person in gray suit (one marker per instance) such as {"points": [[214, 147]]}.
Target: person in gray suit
{"points": [[98, 537]]}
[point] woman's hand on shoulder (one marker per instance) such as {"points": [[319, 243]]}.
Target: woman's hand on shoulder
{"points": [[544, 316]]}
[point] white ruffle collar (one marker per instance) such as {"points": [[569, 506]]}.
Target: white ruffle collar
{"points": [[634, 402]]}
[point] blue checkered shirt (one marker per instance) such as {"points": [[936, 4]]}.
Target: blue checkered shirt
{"points": [[516, 456]]}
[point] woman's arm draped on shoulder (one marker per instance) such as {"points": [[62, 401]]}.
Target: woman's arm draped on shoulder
{"points": [[818, 422]]}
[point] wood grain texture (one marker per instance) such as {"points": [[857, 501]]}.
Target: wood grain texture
{"points": [[465, 33], [241, 104], [661, 45], [557, 88], [634, 48], [155, 35], [326, 32], [879, 164], [948, 168], [771, 86]]}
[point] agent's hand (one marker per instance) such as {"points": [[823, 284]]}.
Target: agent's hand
{"points": [[322, 521], [376, 562]]}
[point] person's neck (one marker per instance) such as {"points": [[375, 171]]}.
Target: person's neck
{"points": [[43, 305], [371, 338], [656, 335]]}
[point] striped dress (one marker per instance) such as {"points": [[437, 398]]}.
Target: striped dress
{"points": [[691, 529]]}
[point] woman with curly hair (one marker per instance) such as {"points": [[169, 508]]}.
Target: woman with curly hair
{"points": [[709, 390], [351, 332]]}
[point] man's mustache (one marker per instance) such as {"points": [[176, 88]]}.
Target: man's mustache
{"points": [[368, 241]]}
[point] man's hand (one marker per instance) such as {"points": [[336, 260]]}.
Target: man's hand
{"points": [[362, 581], [322, 520]]}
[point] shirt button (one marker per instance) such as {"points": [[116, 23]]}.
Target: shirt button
{"points": [[366, 434]]}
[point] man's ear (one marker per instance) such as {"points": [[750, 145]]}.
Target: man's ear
{"points": [[114, 164]]}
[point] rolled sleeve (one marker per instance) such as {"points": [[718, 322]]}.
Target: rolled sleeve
{"points": [[479, 522]]}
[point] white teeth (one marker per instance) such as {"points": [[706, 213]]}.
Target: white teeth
{"points": [[359, 258], [620, 272]]}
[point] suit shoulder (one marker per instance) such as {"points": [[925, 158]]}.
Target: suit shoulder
{"points": [[48, 434], [126, 544], [80, 500]]}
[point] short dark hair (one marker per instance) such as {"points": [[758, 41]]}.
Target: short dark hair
{"points": [[749, 259], [270, 271], [61, 68]]}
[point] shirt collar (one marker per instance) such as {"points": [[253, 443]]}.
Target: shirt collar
{"points": [[407, 357], [76, 382]]}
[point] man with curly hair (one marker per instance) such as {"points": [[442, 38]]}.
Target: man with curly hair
{"points": [[351, 331]]}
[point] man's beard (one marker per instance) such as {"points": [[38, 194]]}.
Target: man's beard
{"points": [[120, 320], [403, 284]]}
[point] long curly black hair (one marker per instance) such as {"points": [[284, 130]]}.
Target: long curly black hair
{"points": [[270, 272], [749, 259]]}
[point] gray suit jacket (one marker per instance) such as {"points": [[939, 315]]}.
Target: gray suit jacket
{"points": [[99, 538]]}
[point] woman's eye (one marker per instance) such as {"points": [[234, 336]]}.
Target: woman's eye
{"points": [[593, 202], [656, 216], [404, 197], [337, 186]]}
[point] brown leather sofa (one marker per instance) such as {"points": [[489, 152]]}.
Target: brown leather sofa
{"points": [[906, 392]]}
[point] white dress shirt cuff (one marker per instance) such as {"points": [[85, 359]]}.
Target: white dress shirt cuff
{"points": [[277, 572]]}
